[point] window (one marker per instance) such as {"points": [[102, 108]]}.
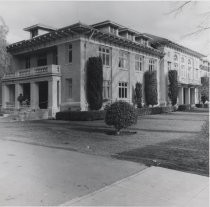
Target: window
{"points": [[42, 59], [169, 66], [139, 60], [189, 62], [27, 62], [104, 53], [130, 37], [123, 89], [106, 89], [123, 60], [169, 54], [182, 59], [113, 30], [175, 57], [182, 71], [55, 57], [70, 53], [152, 64], [144, 42], [69, 88]]}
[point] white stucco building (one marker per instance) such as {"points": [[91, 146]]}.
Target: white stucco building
{"points": [[50, 67]]}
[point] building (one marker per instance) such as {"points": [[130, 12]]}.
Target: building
{"points": [[187, 63], [50, 67]]}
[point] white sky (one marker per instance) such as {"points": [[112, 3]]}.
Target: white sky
{"points": [[149, 17]]}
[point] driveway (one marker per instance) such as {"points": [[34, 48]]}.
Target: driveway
{"points": [[35, 175]]}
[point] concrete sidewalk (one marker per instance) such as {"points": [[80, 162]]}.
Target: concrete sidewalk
{"points": [[154, 186]]}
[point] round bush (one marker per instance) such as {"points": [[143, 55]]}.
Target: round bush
{"points": [[121, 115]]}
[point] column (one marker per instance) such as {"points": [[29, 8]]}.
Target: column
{"points": [[187, 96], [5, 95], [34, 95], [196, 96], [18, 91], [181, 96], [53, 99]]}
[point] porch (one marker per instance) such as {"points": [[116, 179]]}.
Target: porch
{"points": [[188, 95], [39, 86]]}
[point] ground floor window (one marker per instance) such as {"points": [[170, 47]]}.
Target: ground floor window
{"points": [[69, 88], [106, 89], [123, 89]]}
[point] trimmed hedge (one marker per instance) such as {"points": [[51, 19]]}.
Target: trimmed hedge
{"points": [[150, 78], [138, 94], [155, 110], [199, 105], [173, 86], [184, 107], [94, 83], [80, 115]]}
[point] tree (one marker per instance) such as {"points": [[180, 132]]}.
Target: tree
{"points": [[150, 78], [173, 86], [204, 24], [94, 83], [5, 59], [204, 89], [138, 94], [121, 115]]}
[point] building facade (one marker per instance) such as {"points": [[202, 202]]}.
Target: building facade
{"points": [[50, 67]]}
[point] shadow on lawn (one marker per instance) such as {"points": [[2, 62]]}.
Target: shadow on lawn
{"points": [[184, 155]]}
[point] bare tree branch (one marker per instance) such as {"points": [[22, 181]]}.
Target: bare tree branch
{"points": [[179, 9]]}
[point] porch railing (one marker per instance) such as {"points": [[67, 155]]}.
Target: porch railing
{"points": [[48, 69]]}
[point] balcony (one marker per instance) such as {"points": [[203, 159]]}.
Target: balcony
{"points": [[33, 72], [189, 81]]}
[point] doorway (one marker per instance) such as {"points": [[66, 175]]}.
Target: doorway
{"points": [[43, 95], [27, 92]]}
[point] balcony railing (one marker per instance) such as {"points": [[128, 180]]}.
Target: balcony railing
{"points": [[36, 71], [188, 80]]}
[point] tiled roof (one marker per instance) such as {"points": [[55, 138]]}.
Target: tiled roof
{"points": [[80, 28]]}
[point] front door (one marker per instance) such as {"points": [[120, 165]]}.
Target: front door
{"points": [[43, 95]]}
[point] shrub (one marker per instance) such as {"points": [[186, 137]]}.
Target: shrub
{"points": [[94, 83], [121, 115], [138, 94], [184, 107], [150, 78], [199, 105], [204, 89], [204, 98], [80, 115], [173, 86], [205, 129]]}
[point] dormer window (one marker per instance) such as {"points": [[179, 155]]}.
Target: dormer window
{"points": [[130, 37], [113, 30], [144, 42]]}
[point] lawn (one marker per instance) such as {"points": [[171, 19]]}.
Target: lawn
{"points": [[171, 139], [189, 155]]}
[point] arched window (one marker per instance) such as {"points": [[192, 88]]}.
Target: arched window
{"points": [[182, 59], [175, 57]]}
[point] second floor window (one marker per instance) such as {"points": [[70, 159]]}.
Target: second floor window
{"points": [[42, 59], [152, 64], [69, 88], [113, 30], [123, 60], [106, 89], [70, 53], [139, 61], [123, 90], [169, 65], [27, 62], [104, 53]]}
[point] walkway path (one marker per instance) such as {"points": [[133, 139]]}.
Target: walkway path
{"points": [[153, 186]]}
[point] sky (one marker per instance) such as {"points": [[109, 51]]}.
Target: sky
{"points": [[144, 16]]}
